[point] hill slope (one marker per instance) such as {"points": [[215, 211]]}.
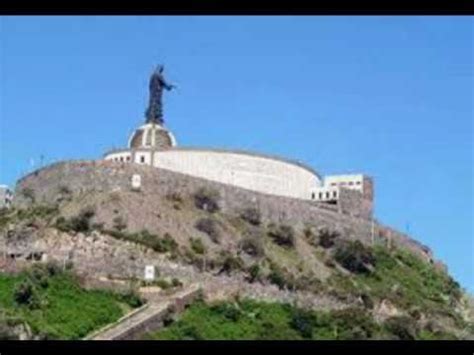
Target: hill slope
{"points": [[236, 243]]}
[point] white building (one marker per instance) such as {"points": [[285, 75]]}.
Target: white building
{"points": [[154, 145], [330, 189]]}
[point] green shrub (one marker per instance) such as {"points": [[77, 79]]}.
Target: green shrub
{"points": [[355, 257], [326, 238], [253, 246], [207, 199], [229, 263], [29, 194], [174, 197], [282, 235], [163, 245], [210, 227], [367, 301], [131, 298], [150, 240], [64, 190], [403, 327], [353, 324], [165, 284], [80, 223], [280, 278], [251, 215], [254, 273], [119, 223], [176, 282], [197, 245], [302, 322], [25, 294], [39, 274], [227, 310]]}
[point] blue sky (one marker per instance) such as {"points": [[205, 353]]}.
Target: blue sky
{"points": [[387, 96]]}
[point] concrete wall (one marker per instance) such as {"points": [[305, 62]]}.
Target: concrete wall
{"points": [[251, 171]]}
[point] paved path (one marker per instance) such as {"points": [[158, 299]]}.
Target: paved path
{"points": [[151, 313]]}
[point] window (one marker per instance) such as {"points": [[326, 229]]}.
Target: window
{"points": [[320, 195], [327, 194], [313, 196], [333, 184], [128, 158], [121, 159], [358, 182], [334, 194], [351, 183], [142, 159]]}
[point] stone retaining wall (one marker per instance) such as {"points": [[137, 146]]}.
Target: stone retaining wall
{"points": [[104, 176]]}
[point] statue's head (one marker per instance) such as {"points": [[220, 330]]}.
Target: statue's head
{"points": [[160, 68]]}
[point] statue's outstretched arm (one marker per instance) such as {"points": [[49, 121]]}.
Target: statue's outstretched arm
{"points": [[168, 86]]}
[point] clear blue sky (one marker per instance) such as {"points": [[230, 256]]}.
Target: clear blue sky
{"points": [[387, 96]]}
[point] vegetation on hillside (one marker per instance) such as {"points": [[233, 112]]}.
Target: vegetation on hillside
{"points": [[54, 306], [252, 320], [426, 300]]}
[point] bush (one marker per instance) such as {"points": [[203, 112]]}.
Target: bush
{"points": [[25, 295], [119, 223], [228, 311], [39, 274], [176, 282], [150, 240], [174, 197], [367, 301], [280, 278], [355, 257], [252, 246], [163, 245], [354, 324], [29, 193], [197, 246], [207, 199], [64, 190], [79, 223], [251, 215], [163, 284], [230, 263], [283, 235], [403, 327], [326, 238], [131, 298], [302, 322], [254, 273], [210, 227]]}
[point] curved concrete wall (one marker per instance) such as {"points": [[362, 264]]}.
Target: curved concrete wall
{"points": [[247, 170]]}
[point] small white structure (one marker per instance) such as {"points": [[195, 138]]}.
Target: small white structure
{"points": [[6, 196], [136, 182], [149, 273], [330, 190]]}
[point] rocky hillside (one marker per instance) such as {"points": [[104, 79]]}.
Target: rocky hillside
{"points": [[236, 243]]}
